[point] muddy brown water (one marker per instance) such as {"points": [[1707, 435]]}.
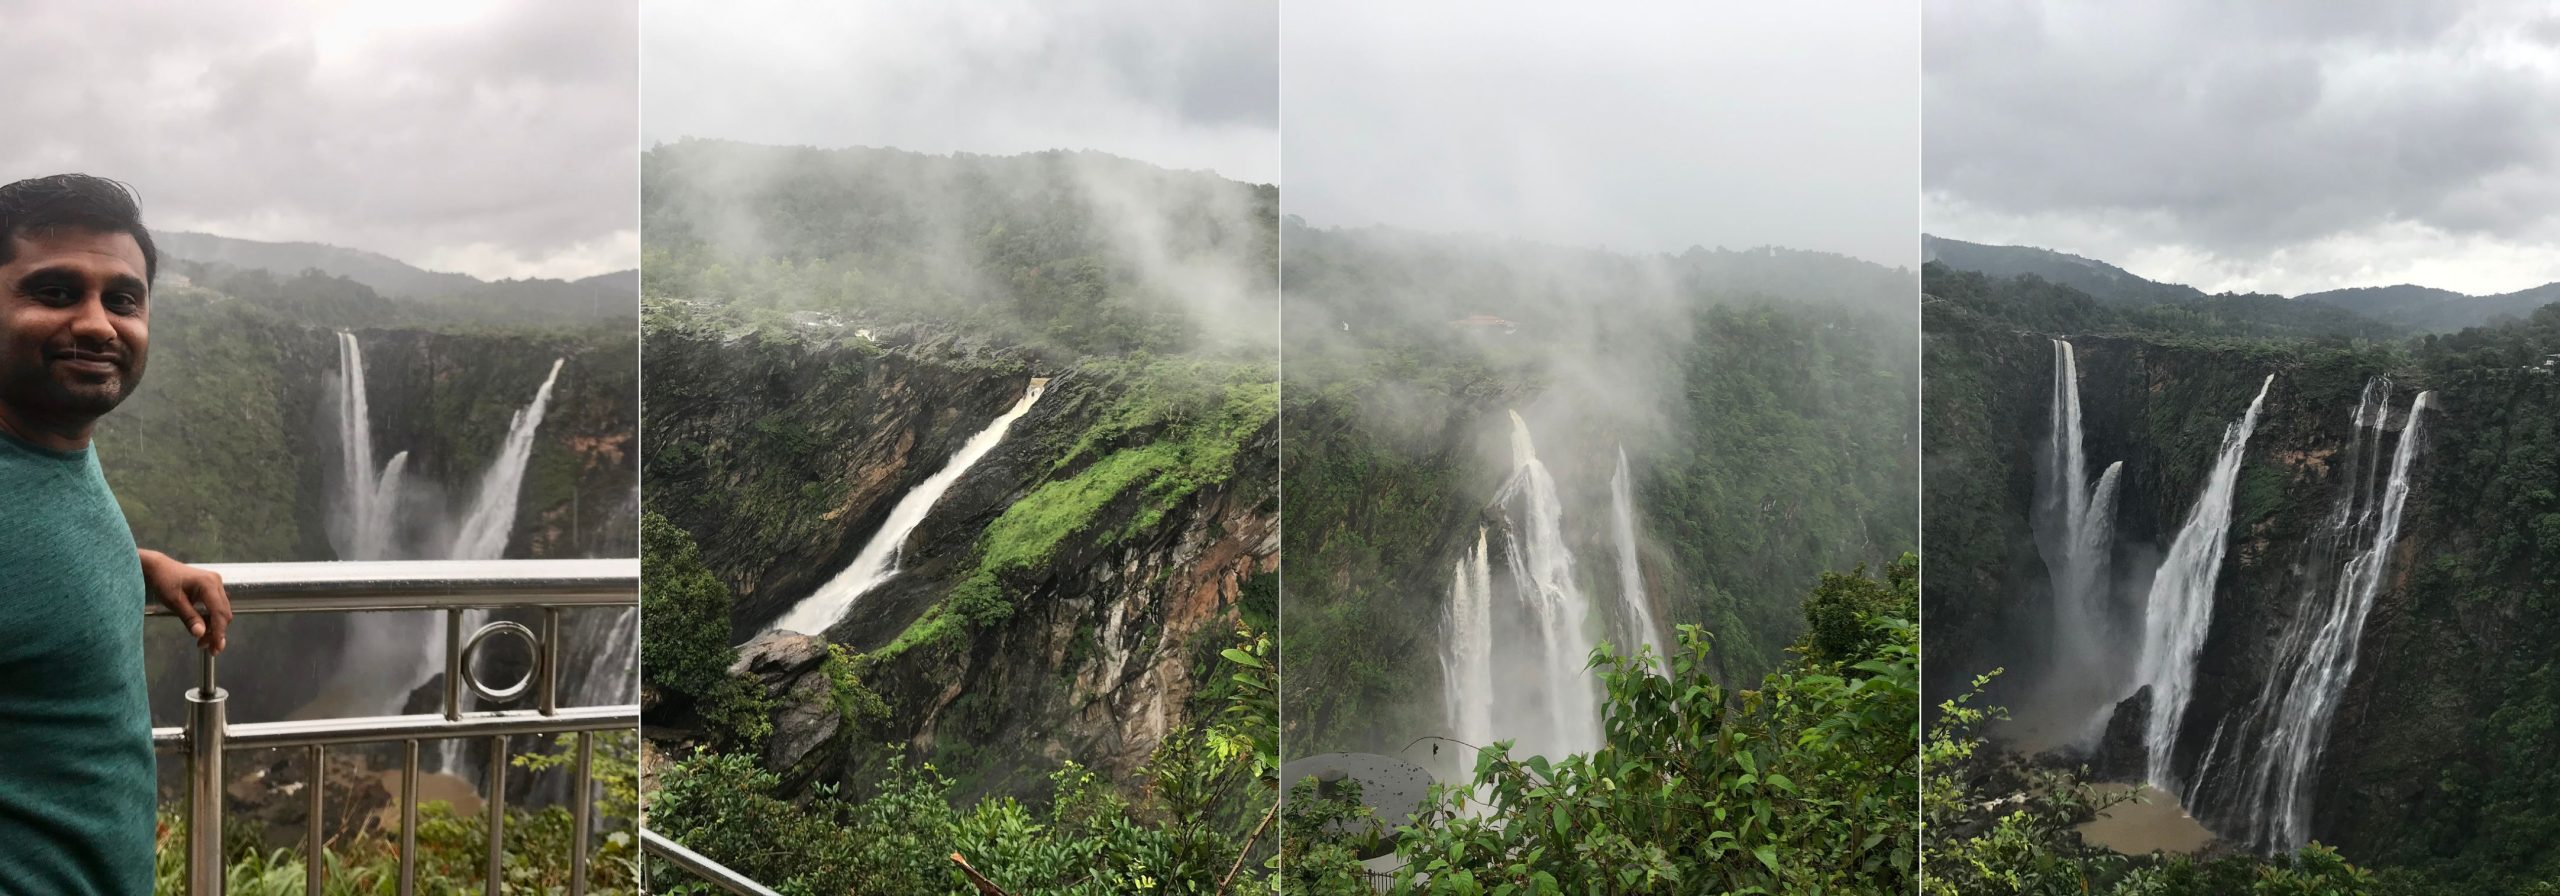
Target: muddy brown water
{"points": [[2153, 823]]}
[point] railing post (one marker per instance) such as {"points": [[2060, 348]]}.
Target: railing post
{"points": [[452, 665], [547, 661], [205, 871], [409, 818], [497, 813], [582, 813], [315, 865]]}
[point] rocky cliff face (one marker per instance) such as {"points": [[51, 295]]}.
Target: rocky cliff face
{"points": [[783, 458], [2427, 679]]}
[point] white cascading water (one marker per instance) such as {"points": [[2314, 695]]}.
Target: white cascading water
{"points": [[2323, 639], [877, 562], [492, 519], [362, 524], [2075, 538], [2179, 609], [365, 514], [1622, 526], [365, 522], [1545, 567], [1466, 656]]}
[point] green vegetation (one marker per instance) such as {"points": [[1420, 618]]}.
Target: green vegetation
{"points": [[686, 639], [1804, 784], [452, 847], [1187, 830], [1997, 828]]}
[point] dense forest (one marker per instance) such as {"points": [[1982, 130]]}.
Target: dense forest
{"points": [[2434, 775]]}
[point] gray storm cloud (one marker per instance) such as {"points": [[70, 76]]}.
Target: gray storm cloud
{"points": [[497, 140], [2279, 147]]}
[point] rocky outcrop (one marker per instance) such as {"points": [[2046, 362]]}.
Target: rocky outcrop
{"points": [[791, 669], [2119, 755]]}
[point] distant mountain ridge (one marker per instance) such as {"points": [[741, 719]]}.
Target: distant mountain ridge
{"points": [[2422, 309], [2102, 281], [609, 295]]}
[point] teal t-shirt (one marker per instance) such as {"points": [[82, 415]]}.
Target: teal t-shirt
{"points": [[77, 776]]}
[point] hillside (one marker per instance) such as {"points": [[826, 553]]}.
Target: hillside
{"points": [[265, 272]]}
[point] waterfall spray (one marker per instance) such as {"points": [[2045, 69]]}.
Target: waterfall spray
{"points": [[2179, 610], [877, 562], [1561, 610]]}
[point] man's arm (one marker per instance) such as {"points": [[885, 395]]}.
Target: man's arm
{"points": [[182, 588]]}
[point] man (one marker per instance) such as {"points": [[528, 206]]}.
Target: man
{"points": [[77, 775]]}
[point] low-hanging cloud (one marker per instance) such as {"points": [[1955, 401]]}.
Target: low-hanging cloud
{"points": [[2283, 148], [1181, 85], [494, 139], [1644, 127]]}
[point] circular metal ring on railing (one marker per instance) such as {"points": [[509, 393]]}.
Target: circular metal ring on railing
{"points": [[471, 650]]}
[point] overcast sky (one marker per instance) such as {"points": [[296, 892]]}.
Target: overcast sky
{"points": [[2279, 147], [486, 137], [1643, 127], [1177, 83]]}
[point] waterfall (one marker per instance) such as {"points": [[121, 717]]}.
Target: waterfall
{"points": [[492, 519], [877, 562], [2074, 535], [387, 656], [1561, 610], [365, 512], [2179, 609], [2318, 653], [1467, 653], [1622, 526]]}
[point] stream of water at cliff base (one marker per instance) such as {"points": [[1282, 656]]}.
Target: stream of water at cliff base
{"points": [[2179, 609], [877, 562]]}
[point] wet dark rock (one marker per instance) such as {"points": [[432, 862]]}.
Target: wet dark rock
{"points": [[2119, 755]]}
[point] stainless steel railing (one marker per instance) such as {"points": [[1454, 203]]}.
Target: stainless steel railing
{"points": [[702, 866], [453, 586]]}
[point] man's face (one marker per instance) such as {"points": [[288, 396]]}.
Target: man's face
{"points": [[74, 315]]}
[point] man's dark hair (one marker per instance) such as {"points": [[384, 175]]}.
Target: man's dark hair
{"points": [[41, 206]]}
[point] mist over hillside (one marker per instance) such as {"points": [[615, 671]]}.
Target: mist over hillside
{"points": [[2376, 312]]}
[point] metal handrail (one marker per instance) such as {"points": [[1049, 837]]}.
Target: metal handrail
{"points": [[702, 866], [448, 585]]}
